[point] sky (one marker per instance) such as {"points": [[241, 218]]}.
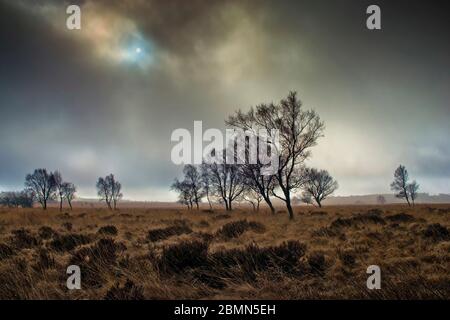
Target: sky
{"points": [[106, 98]]}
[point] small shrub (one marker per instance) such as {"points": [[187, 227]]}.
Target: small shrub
{"points": [[369, 217], [164, 233], [129, 291], [362, 218], [22, 238], [436, 232], [68, 226], [319, 213], [375, 212], [347, 258], [104, 251], [5, 251], [221, 217], [326, 232], [400, 217], [184, 255], [236, 228], [248, 261], [204, 236], [44, 260], [94, 259], [45, 232], [108, 230], [69, 242], [317, 263], [203, 224], [181, 222], [341, 222]]}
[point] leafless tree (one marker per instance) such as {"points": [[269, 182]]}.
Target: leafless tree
{"points": [[191, 188], [400, 183], [116, 190], [253, 173], [298, 129], [58, 188], [193, 179], [185, 195], [16, 199], [226, 180], [68, 191], [253, 197], [104, 191], [42, 184], [412, 189], [381, 199], [319, 184], [307, 198], [109, 190], [9, 199]]}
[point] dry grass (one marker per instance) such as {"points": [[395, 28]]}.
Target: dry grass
{"points": [[142, 253]]}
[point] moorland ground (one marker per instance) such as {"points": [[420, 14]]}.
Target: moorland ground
{"points": [[139, 253]]}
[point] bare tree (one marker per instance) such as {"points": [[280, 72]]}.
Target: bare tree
{"points": [[9, 199], [104, 192], [16, 199], [193, 179], [253, 197], [191, 188], [116, 190], [319, 185], [42, 184], [400, 183], [298, 129], [307, 198], [68, 192], [57, 177], [381, 199], [412, 189], [226, 181], [254, 176], [109, 190], [185, 195]]}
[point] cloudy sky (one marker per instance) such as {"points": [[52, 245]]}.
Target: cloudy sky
{"points": [[106, 98]]}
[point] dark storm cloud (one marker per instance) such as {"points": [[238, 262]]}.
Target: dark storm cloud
{"points": [[68, 102]]}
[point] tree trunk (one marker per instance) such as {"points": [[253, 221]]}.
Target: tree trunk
{"points": [[210, 205], [70, 204], [269, 203], [287, 196], [318, 203], [60, 204], [229, 205], [225, 201], [289, 208]]}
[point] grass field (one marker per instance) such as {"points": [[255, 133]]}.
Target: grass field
{"points": [[180, 254]]}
